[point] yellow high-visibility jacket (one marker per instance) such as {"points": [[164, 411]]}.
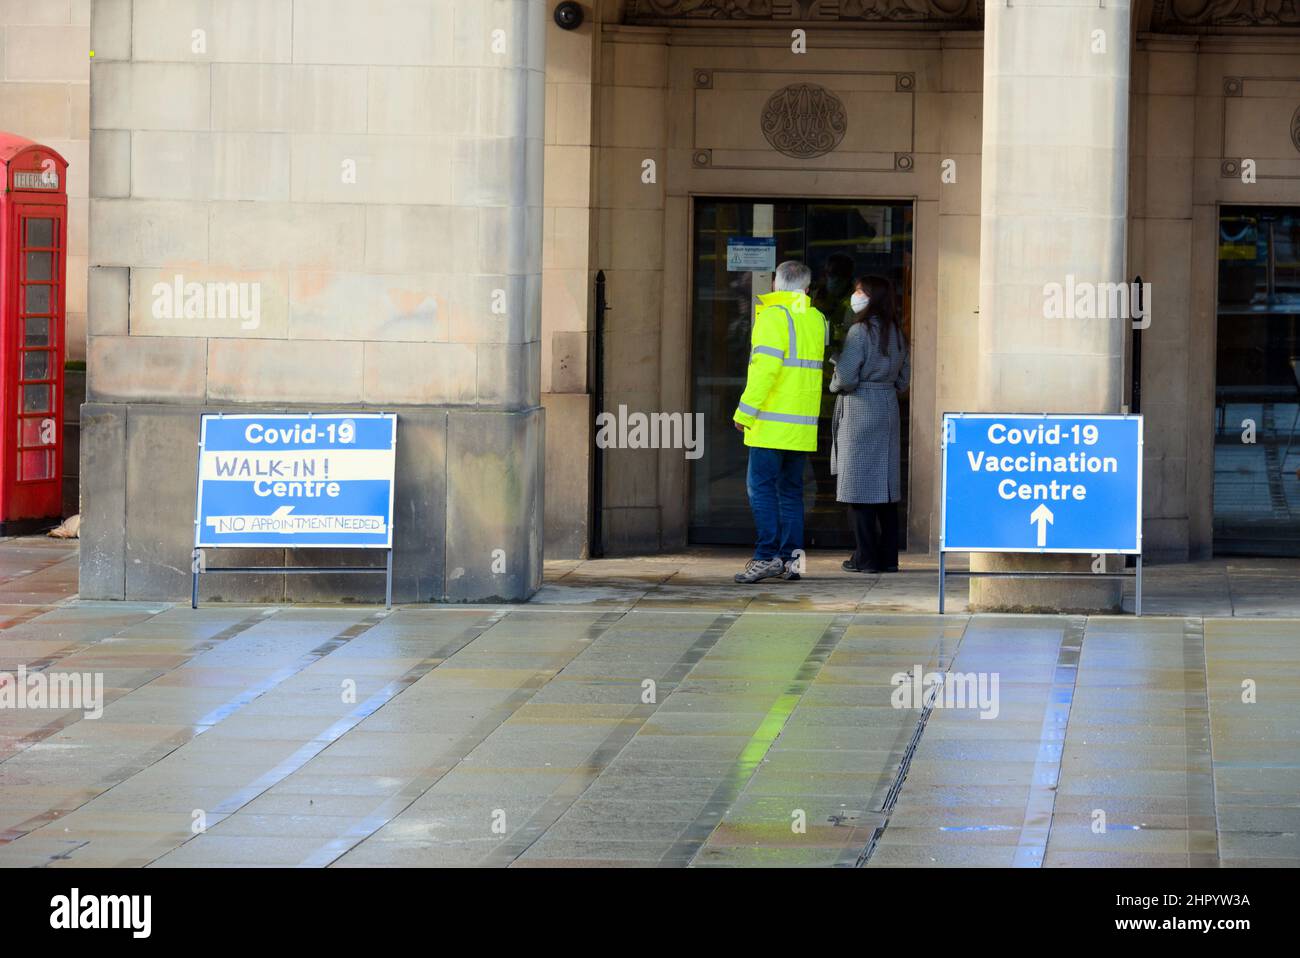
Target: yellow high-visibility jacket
{"points": [[782, 395]]}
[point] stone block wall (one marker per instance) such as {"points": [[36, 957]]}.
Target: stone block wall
{"points": [[45, 97], [374, 172], [568, 276]]}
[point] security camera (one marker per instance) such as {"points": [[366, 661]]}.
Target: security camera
{"points": [[568, 15]]}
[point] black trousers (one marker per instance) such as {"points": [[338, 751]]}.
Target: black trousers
{"points": [[875, 531]]}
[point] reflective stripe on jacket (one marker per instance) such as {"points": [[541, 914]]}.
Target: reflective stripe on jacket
{"points": [[782, 395]]}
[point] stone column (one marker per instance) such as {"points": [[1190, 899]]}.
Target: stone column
{"points": [[633, 128], [568, 281], [1054, 199]]}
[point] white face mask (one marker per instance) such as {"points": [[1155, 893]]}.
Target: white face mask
{"points": [[859, 301]]}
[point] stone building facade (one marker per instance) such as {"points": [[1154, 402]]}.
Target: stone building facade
{"points": [[390, 172], [1148, 136]]}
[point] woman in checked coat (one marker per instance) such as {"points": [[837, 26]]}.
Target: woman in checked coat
{"points": [[873, 368]]}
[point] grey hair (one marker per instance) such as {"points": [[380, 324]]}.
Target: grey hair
{"points": [[792, 276]]}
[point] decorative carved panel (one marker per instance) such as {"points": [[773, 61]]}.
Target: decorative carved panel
{"points": [[950, 14], [814, 120], [1195, 16], [1261, 122]]}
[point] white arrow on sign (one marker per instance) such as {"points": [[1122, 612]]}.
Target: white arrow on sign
{"points": [[1043, 516]]}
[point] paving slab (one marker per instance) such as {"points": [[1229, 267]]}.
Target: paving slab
{"points": [[649, 712]]}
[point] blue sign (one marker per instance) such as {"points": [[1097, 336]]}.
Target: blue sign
{"points": [[313, 481], [1042, 483]]}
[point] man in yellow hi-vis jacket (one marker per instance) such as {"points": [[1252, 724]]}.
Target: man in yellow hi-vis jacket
{"points": [[778, 415]]}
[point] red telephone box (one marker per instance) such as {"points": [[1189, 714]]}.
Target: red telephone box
{"points": [[33, 285]]}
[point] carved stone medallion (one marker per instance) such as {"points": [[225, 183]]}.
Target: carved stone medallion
{"points": [[804, 120]]}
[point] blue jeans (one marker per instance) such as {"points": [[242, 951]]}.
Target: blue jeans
{"points": [[775, 484]]}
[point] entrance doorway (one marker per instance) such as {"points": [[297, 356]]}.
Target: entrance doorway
{"points": [[839, 240], [1257, 385]]}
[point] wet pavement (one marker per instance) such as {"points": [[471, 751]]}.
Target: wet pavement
{"points": [[649, 712]]}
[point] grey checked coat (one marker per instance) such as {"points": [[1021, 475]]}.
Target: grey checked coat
{"points": [[865, 427]]}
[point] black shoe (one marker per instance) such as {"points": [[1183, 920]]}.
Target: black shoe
{"points": [[848, 566]]}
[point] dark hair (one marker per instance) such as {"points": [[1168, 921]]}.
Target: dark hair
{"points": [[880, 309], [840, 264]]}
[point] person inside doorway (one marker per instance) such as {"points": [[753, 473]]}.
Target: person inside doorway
{"points": [[870, 372], [778, 414], [832, 297]]}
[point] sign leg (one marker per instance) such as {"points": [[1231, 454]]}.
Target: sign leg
{"points": [[1137, 594], [194, 579], [941, 575], [388, 582]]}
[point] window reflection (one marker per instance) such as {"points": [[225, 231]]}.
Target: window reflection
{"points": [[1257, 394], [40, 232], [40, 266]]}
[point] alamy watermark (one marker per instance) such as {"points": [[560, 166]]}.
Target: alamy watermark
{"points": [[73, 911], [656, 430], [1087, 300], [53, 690], [947, 690], [212, 300]]}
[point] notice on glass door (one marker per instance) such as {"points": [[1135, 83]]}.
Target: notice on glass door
{"points": [[751, 254]]}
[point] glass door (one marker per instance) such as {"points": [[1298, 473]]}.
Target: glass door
{"points": [[37, 388], [1257, 386], [839, 240]]}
